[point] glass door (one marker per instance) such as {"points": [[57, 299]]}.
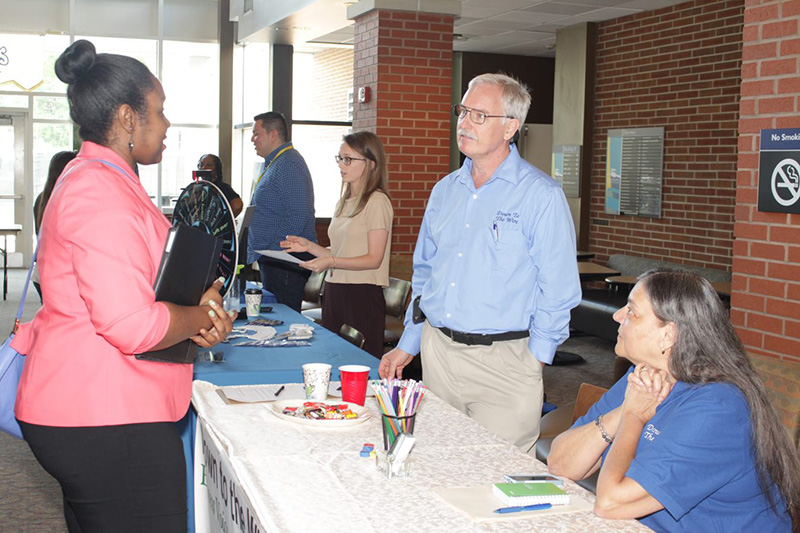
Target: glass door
{"points": [[13, 155]]}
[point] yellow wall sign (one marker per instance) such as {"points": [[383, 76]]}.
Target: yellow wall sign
{"points": [[22, 61]]}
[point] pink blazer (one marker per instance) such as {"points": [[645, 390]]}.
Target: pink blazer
{"points": [[100, 247]]}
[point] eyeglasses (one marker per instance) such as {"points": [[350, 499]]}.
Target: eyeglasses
{"points": [[478, 117], [347, 159]]}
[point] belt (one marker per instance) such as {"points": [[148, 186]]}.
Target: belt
{"points": [[483, 339]]}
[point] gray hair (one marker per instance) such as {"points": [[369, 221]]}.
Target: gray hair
{"points": [[516, 95]]}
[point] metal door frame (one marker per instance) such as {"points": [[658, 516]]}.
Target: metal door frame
{"points": [[21, 120]]}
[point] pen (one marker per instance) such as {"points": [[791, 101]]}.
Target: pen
{"points": [[280, 390], [496, 232], [537, 507]]}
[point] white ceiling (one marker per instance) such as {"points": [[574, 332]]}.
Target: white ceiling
{"points": [[520, 27]]}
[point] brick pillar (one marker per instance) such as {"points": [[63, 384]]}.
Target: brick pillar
{"points": [[766, 260], [405, 58]]}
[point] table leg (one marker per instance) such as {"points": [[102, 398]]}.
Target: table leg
{"points": [[5, 266]]}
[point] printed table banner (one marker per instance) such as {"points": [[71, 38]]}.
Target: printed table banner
{"points": [[220, 502], [22, 60]]}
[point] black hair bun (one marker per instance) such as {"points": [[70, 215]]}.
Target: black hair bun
{"points": [[75, 61]]}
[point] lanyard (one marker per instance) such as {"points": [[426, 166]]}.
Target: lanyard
{"points": [[257, 181]]}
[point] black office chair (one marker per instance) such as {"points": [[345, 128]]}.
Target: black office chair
{"points": [[396, 296], [312, 296], [352, 335]]}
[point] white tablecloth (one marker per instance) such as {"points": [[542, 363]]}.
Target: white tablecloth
{"points": [[302, 479]]}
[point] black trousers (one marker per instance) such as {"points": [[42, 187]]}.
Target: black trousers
{"points": [[361, 306], [128, 478], [285, 280]]}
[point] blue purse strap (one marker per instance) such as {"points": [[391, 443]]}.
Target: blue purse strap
{"points": [[21, 307], [25, 290]]}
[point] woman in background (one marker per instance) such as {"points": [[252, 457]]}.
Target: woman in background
{"points": [[360, 234], [214, 164], [688, 440], [57, 164], [99, 420]]}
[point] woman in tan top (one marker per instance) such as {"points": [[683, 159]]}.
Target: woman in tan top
{"points": [[360, 235]]}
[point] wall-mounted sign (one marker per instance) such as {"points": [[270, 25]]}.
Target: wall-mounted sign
{"points": [[567, 168], [634, 167], [779, 171], [22, 60]]}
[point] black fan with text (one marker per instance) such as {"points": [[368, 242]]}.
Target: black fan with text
{"points": [[202, 205]]}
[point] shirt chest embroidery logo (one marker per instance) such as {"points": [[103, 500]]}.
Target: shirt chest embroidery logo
{"points": [[650, 433], [504, 217]]}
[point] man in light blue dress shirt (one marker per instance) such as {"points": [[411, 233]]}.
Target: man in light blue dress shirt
{"points": [[495, 272]]}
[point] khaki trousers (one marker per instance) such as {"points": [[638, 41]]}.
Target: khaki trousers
{"points": [[500, 386]]}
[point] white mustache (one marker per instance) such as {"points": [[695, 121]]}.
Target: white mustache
{"points": [[467, 134]]}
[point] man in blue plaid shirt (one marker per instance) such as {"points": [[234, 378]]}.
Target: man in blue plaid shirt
{"points": [[283, 196]]}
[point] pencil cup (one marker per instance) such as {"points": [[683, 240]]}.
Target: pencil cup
{"points": [[394, 425]]}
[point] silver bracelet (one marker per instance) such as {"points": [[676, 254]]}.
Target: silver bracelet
{"points": [[599, 423]]}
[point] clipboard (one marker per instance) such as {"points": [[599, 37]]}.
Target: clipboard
{"points": [[188, 268]]}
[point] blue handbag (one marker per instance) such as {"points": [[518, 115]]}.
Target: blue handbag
{"points": [[11, 364]]}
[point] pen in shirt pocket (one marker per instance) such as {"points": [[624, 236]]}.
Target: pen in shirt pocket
{"points": [[495, 231]]}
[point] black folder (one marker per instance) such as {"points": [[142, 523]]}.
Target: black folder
{"points": [[188, 268]]}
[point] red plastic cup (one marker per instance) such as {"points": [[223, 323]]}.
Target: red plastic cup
{"points": [[354, 383]]}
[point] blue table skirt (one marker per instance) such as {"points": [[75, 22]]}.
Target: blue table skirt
{"points": [[252, 366]]}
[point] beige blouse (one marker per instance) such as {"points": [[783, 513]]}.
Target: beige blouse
{"points": [[348, 236]]}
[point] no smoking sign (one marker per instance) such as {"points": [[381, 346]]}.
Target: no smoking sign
{"points": [[779, 171]]}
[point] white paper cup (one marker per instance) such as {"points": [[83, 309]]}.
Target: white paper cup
{"points": [[316, 377], [252, 301]]}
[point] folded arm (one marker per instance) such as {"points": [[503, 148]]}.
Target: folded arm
{"points": [[576, 453], [619, 496]]}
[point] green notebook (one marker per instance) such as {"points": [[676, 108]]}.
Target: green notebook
{"points": [[529, 493]]}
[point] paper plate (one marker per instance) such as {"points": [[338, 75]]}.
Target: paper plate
{"points": [[362, 412]]}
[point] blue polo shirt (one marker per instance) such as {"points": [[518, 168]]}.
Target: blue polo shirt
{"points": [[696, 458]]}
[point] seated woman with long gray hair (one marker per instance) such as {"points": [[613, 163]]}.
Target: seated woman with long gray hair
{"points": [[687, 440]]}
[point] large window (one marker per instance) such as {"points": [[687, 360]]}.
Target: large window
{"points": [[322, 112], [251, 96], [34, 125], [175, 39], [322, 90], [191, 83]]}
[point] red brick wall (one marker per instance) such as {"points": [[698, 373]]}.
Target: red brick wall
{"points": [[678, 68], [766, 262], [405, 58]]}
